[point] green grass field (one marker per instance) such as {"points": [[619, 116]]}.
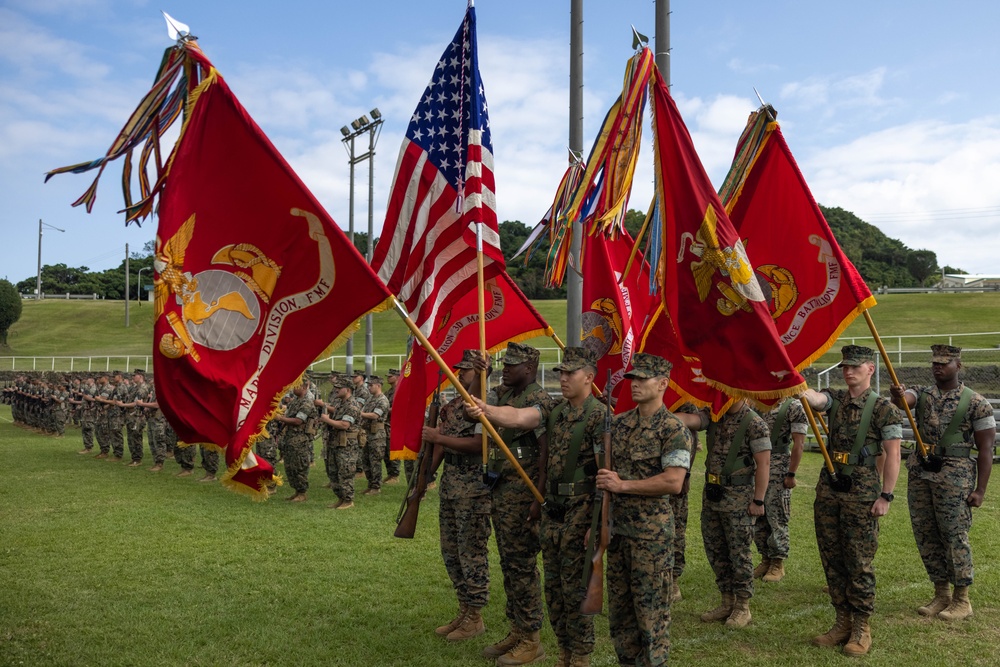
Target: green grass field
{"points": [[97, 328], [108, 565]]}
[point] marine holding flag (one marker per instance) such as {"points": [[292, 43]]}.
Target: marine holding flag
{"points": [[246, 287]]}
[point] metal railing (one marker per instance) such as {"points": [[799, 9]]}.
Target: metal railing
{"points": [[124, 363]]}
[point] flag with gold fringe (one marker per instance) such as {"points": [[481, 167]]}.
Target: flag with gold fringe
{"points": [[253, 279], [510, 317], [812, 289], [711, 296]]}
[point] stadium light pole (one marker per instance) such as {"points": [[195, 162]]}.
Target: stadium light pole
{"points": [[662, 50], [358, 127], [38, 281]]}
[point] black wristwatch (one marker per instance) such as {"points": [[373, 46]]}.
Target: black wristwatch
{"points": [[758, 503], [789, 474], [888, 497]]}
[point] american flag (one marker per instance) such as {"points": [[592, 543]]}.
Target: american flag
{"points": [[442, 190]]}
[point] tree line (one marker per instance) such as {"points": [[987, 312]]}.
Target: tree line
{"points": [[881, 261]]}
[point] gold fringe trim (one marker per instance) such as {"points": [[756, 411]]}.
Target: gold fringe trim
{"points": [[212, 447], [757, 395]]}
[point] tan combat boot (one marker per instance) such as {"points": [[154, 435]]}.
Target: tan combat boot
{"points": [[675, 593], [448, 627], [776, 572], [721, 612], [942, 598], [528, 650], [504, 645], [839, 633], [861, 638], [960, 607], [470, 626], [762, 569], [740, 618], [578, 660], [563, 659]]}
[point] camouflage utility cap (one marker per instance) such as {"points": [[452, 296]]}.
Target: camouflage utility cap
{"points": [[341, 382], [855, 355], [374, 379], [468, 360], [393, 372], [519, 354], [649, 366], [358, 373], [943, 354], [575, 358]]}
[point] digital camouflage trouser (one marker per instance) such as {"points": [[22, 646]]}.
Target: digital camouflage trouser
{"points": [[639, 580], [941, 519], [847, 535], [518, 546], [465, 533]]}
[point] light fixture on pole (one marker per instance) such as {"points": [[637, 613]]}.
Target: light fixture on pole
{"points": [[358, 127], [38, 282]]}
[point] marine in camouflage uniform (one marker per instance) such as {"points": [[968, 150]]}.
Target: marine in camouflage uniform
{"points": [[573, 434], [392, 467], [360, 394], [157, 425], [788, 426], [847, 520], [135, 417], [464, 511], [374, 414], [952, 419], [60, 409], [737, 467], [87, 414], [650, 455], [297, 441], [116, 417], [514, 511], [210, 463], [342, 419]]}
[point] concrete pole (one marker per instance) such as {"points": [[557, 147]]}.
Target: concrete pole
{"points": [[126, 286], [574, 288], [38, 282], [662, 47]]}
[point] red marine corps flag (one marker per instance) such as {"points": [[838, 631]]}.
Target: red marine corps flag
{"points": [[253, 278], [710, 293], [813, 290], [510, 317]]}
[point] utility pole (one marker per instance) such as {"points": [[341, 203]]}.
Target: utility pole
{"points": [[574, 287], [126, 286], [38, 279]]}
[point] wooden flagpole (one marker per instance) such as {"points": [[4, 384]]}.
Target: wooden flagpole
{"points": [[481, 288], [892, 374], [426, 344]]}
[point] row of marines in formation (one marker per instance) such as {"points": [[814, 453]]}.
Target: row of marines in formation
{"points": [[751, 463], [750, 469], [113, 409]]}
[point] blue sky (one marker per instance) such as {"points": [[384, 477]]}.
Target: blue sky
{"points": [[890, 107]]}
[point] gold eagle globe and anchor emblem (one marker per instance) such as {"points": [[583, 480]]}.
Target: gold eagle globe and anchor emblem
{"points": [[219, 307], [769, 283]]}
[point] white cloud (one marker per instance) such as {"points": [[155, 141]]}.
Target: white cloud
{"points": [[913, 180]]}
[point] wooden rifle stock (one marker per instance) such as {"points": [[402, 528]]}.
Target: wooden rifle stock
{"points": [[593, 602], [406, 521]]}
